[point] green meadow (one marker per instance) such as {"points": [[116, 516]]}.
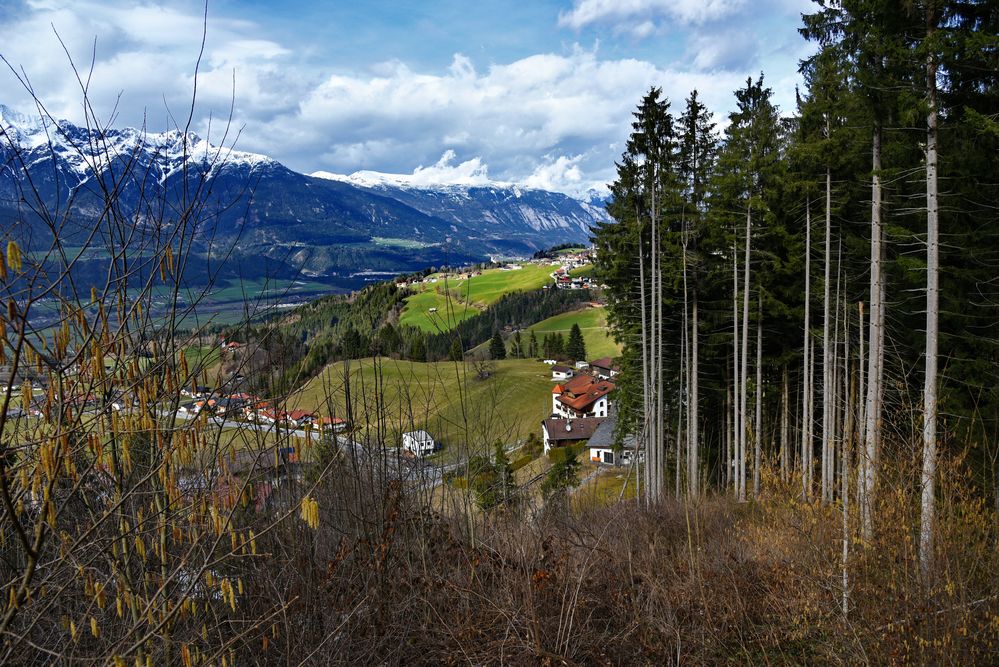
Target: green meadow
{"points": [[461, 411]]}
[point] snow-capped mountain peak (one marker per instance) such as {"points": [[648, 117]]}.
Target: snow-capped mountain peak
{"points": [[89, 150]]}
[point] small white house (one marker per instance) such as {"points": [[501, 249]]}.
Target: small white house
{"points": [[420, 443], [582, 365], [562, 372], [602, 449]]}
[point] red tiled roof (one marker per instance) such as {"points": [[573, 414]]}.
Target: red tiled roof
{"points": [[603, 362], [558, 389], [582, 391]]}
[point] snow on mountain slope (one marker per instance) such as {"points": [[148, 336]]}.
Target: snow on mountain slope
{"points": [[88, 151], [264, 207], [493, 206]]}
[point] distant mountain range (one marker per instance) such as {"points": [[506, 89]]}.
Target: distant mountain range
{"points": [[275, 220]]}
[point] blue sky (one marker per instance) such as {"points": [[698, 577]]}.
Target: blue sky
{"points": [[538, 93]]}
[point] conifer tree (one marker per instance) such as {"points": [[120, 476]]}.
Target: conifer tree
{"points": [[455, 353], [497, 348], [576, 347]]}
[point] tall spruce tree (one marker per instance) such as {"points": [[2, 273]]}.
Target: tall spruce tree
{"points": [[576, 347], [497, 348]]}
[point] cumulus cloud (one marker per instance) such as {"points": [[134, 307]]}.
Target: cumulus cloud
{"points": [[512, 115], [471, 172], [143, 60], [639, 12]]}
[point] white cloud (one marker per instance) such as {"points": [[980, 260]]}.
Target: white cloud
{"points": [[511, 114], [143, 59], [443, 172], [555, 120], [587, 12]]}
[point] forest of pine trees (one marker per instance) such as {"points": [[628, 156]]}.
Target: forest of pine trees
{"points": [[811, 291]]}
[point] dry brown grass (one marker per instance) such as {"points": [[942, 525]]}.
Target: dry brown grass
{"points": [[711, 583]]}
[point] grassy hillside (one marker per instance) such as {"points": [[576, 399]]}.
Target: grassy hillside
{"points": [[592, 322], [468, 297], [417, 311], [445, 398]]}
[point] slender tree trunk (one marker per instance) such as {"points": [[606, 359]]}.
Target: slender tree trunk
{"points": [[729, 435], [758, 426], [875, 365], [861, 413], [811, 417], [927, 515], [838, 405], [745, 353], [693, 427], [849, 391], [655, 352], [827, 364], [646, 377], [686, 371], [660, 406], [785, 418], [737, 372], [806, 401], [684, 383]]}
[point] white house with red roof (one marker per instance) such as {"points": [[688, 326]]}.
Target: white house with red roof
{"points": [[582, 396]]}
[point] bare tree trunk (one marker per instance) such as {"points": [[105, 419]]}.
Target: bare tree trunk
{"points": [[849, 390], [827, 364], [660, 410], [736, 373], [806, 399], [835, 403], [729, 435], [758, 426], [875, 365], [646, 389], [693, 426], [811, 417], [785, 418], [927, 515], [745, 354], [685, 371], [684, 382], [861, 412]]}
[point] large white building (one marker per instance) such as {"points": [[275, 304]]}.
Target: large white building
{"points": [[582, 396]]}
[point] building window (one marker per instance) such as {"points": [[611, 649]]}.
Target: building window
{"points": [[608, 457]]}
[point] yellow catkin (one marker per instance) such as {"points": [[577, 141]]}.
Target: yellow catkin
{"points": [[3, 269], [94, 630], [13, 256]]}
